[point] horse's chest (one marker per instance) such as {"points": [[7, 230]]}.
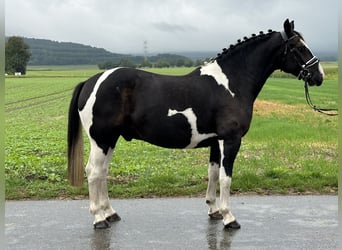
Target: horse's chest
{"points": [[231, 125]]}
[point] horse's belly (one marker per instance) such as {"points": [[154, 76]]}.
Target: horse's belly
{"points": [[178, 140], [168, 139], [179, 129]]}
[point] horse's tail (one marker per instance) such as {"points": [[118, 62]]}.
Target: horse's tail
{"points": [[75, 141]]}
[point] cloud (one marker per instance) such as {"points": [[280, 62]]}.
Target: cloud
{"points": [[172, 28], [168, 25]]}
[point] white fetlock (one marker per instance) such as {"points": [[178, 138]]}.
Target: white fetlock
{"points": [[230, 222], [212, 206], [228, 217], [99, 217]]}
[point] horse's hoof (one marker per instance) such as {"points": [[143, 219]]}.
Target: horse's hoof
{"points": [[216, 215], [101, 225], [233, 225], [113, 218]]}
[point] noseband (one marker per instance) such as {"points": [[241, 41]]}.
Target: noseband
{"points": [[304, 73]]}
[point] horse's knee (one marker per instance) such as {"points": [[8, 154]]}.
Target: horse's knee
{"points": [[225, 180], [213, 171]]}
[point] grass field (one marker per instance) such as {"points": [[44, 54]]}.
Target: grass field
{"points": [[289, 148]]}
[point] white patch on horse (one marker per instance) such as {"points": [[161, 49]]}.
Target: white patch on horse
{"points": [[320, 68], [196, 137], [214, 70], [304, 43], [86, 114]]}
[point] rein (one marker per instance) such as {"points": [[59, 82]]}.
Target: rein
{"points": [[305, 75], [324, 111]]}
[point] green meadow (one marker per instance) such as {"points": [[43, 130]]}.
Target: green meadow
{"points": [[289, 148]]}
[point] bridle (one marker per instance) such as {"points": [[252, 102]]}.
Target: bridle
{"points": [[304, 73]]}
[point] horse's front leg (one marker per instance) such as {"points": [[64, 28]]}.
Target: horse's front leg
{"points": [[228, 152], [213, 176]]}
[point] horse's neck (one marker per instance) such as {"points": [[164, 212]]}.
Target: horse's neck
{"points": [[249, 69]]}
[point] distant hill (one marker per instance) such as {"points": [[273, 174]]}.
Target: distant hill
{"points": [[47, 52]]}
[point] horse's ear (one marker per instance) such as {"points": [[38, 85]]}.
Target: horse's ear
{"points": [[292, 25], [288, 27]]}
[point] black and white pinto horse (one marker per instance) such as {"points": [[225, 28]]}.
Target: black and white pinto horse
{"points": [[209, 107]]}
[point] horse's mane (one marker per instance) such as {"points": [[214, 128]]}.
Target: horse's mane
{"points": [[242, 43]]}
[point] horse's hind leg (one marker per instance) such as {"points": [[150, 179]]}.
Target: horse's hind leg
{"points": [[97, 170]]}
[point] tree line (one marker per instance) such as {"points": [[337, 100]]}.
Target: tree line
{"points": [[159, 61]]}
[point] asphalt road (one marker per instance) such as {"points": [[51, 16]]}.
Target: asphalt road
{"points": [[267, 222]]}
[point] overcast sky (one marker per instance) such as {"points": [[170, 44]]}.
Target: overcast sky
{"points": [[169, 25]]}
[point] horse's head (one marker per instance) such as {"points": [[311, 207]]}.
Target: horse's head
{"points": [[298, 58]]}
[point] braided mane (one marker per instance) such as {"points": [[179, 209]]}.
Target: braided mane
{"points": [[241, 42]]}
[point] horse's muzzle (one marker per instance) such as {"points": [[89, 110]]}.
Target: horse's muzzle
{"points": [[316, 79]]}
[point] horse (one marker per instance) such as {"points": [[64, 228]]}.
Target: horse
{"points": [[210, 107]]}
